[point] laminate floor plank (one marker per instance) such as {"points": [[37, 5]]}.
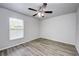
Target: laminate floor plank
{"points": [[41, 47]]}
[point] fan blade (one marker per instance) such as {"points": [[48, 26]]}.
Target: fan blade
{"points": [[44, 4], [32, 9], [35, 14], [48, 11]]}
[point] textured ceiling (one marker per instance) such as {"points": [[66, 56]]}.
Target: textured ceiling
{"points": [[57, 8]]}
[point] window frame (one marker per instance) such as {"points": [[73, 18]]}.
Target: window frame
{"points": [[10, 30]]}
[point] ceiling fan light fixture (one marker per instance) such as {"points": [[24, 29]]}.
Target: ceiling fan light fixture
{"points": [[41, 11], [39, 14], [42, 14]]}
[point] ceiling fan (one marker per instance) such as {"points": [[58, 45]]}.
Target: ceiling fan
{"points": [[41, 11]]}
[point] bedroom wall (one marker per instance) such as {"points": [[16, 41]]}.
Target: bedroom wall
{"points": [[77, 31], [61, 28], [31, 28]]}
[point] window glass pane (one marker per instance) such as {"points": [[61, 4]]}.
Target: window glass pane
{"points": [[16, 28]]}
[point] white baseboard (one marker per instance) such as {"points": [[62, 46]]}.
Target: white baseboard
{"points": [[34, 39], [77, 47], [51, 38], [16, 44]]}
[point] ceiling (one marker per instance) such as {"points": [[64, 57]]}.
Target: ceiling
{"points": [[57, 8]]}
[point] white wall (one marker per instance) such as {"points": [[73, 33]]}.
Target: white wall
{"points": [[77, 31], [61, 28], [31, 28]]}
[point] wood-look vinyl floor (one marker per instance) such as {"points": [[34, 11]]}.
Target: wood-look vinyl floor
{"points": [[41, 47]]}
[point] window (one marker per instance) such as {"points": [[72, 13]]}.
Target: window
{"points": [[16, 28]]}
